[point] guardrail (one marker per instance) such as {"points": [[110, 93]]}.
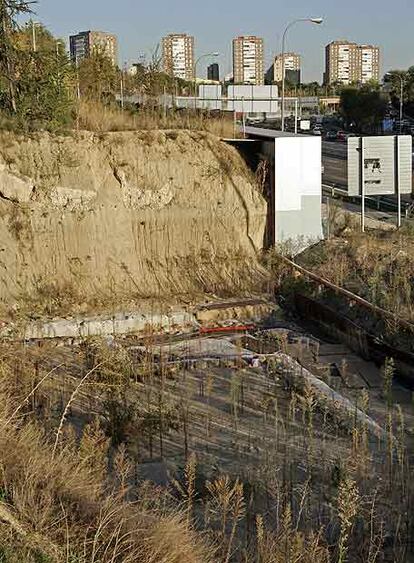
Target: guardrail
{"points": [[377, 203]]}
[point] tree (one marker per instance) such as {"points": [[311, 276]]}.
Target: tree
{"points": [[44, 80], [363, 108], [154, 81], [36, 85], [44, 90], [99, 79], [10, 10], [393, 80]]}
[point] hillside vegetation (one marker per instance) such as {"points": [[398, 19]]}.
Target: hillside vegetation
{"points": [[378, 266]]}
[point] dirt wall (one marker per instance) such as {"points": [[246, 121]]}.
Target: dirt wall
{"points": [[126, 215]]}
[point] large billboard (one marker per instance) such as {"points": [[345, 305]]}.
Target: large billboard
{"points": [[210, 96], [380, 165], [253, 99]]}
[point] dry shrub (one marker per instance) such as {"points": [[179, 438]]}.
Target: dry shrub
{"points": [[59, 508], [288, 544], [376, 265], [95, 116], [83, 504]]}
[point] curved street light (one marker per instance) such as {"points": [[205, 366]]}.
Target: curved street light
{"points": [[214, 54], [316, 21]]}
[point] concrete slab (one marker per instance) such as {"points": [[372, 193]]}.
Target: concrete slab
{"points": [[368, 371], [333, 350]]}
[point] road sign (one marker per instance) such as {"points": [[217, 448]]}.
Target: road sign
{"points": [[386, 163], [380, 166], [388, 125]]}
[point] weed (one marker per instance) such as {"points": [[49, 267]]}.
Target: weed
{"points": [[348, 499], [388, 373]]}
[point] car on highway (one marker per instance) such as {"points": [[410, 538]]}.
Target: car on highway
{"points": [[330, 136], [254, 120], [317, 132], [341, 136]]}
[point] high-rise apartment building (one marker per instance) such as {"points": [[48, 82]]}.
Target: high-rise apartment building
{"points": [[85, 43], [292, 67], [248, 60], [341, 62], [347, 62], [213, 72], [370, 63], [178, 55]]}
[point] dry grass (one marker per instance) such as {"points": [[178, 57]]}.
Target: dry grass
{"points": [[376, 266], [298, 481], [93, 116], [55, 509]]}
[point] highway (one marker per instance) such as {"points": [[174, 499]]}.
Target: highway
{"points": [[334, 160]]}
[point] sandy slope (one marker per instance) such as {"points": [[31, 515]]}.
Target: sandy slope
{"points": [[120, 214]]}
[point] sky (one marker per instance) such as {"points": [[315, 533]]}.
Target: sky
{"points": [[140, 25]]}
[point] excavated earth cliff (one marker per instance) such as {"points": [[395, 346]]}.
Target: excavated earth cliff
{"points": [[98, 218]]}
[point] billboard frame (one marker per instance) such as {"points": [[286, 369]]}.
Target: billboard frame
{"points": [[389, 164]]}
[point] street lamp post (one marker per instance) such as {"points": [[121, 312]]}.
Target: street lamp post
{"points": [[215, 54], [400, 76], [34, 41], [401, 103], [122, 89], [316, 21], [58, 44]]}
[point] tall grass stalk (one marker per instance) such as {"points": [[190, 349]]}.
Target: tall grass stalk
{"points": [[69, 403]]}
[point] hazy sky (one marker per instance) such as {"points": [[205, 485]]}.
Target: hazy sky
{"points": [[140, 24]]}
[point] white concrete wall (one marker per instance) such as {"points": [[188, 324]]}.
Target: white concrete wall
{"points": [[298, 188]]}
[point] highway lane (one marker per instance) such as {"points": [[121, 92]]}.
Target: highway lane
{"points": [[334, 160]]}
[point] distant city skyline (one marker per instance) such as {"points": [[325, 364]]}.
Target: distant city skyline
{"points": [[140, 27]]}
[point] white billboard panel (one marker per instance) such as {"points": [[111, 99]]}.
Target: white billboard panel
{"points": [[210, 96], [384, 163], [253, 99], [210, 91]]}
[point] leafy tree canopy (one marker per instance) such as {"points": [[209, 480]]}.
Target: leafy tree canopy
{"points": [[364, 107], [393, 80]]}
